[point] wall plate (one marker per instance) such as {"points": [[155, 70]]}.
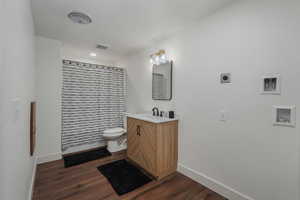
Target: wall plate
{"points": [[284, 115], [271, 84]]}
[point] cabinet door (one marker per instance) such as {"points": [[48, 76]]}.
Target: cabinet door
{"points": [[167, 151], [148, 147], [133, 139]]}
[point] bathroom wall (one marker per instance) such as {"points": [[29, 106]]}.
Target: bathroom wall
{"points": [[49, 87], [17, 90], [78, 53], [245, 157]]}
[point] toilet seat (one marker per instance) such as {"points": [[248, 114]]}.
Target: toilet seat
{"points": [[114, 131]]}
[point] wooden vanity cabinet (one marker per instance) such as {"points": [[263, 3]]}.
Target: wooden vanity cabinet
{"points": [[153, 146]]}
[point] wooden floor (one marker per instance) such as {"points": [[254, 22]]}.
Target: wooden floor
{"points": [[85, 182]]}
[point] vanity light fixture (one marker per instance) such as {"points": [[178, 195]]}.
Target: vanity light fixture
{"points": [[158, 58]]}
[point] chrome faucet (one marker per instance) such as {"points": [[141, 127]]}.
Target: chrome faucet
{"points": [[155, 113]]}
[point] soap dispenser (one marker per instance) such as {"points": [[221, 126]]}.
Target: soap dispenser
{"points": [[171, 114]]}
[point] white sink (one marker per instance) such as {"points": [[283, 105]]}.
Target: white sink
{"points": [[151, 118]]}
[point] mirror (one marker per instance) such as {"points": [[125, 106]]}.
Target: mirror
{"points": [[162, 81]]}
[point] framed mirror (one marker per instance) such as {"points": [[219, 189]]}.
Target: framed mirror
{"points": [[162, 81]]}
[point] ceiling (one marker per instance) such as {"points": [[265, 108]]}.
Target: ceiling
{"points": [[123, 25]]}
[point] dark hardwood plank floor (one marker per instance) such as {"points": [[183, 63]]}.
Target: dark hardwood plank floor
{"points": [[85, 182]]}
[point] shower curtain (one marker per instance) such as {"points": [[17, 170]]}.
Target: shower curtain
{"points": [[93, 99]]}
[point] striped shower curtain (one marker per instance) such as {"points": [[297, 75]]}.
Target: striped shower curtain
{"points": [[93, 99]]}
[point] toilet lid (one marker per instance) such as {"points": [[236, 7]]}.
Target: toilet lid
{"points": [[114, 130]]}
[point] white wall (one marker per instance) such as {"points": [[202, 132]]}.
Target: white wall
{"points": [[247, 153], [49, 90], [82, 54], [49, 86], [16, 92]]}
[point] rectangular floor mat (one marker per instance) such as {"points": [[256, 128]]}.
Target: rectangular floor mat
{"points": [[87, 156], [123, 176]]}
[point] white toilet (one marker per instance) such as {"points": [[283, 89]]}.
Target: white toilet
{"points": [[115, 141]]}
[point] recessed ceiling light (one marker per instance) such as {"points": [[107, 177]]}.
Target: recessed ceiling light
{"points": [[93, 54], [79, 18]]}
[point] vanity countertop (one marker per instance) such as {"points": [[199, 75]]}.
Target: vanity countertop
{"points": [[151, 118]]}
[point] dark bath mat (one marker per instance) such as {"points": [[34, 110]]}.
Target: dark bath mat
{"points": [[123, 176], [80, 158]]}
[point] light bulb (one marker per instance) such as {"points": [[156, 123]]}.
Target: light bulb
{"points": [[163, 58], [151, 61], [157, 60]]}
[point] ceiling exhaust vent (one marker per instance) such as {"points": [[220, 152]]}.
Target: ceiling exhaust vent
{"points": [[102, 47], [79, 18]]}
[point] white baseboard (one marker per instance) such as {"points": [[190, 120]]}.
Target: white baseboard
{"points": [[32, 179], [212, 184], [49, 158]]}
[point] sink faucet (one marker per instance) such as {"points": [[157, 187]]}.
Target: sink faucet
{"points": [[155, 113]]}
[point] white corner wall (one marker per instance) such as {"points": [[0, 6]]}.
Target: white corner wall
{"points": [[17, 90], [48, 86], [246, 157]]}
